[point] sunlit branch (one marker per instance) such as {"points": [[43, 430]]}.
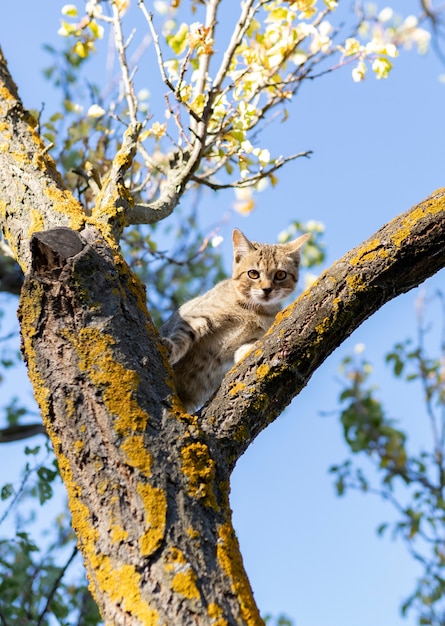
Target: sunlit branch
{"points": [[126, 78], [249, 181], [204, 59], [244, 21], [149, 17]]}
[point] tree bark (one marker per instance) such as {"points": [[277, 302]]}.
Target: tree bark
{"points": [[147, 490], [148, 484]]}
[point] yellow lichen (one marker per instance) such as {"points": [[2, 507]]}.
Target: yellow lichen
{"points": [[37, 223], [136, 453], [261, 401], [366, 252], [119, 384], [5, 94], [118, 533], [241, 433], [237, 388], [184, 583], [30, 310], [122, 585], [431, 206], [262, 370], [284, 314], [78, 446], [229, 557], [64, 202], [355, 283], [155, 505], [369, 252], [199, 469], [192, 533], [215, 613], [184, 578], [102, 487]]}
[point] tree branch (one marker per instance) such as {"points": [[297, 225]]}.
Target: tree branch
{"points": [[397, 258], [32, 193]]}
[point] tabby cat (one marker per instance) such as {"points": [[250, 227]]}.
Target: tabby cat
{"points": [[210, 333]]}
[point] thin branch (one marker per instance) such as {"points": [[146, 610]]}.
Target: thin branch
{"points": [[204, 59], [3, 618], [244, 21], [149, 17], [56, 586], [17, 495], [126, 78], [249, 181]]}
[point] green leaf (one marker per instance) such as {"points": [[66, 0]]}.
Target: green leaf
{"points": [[7, 491], [32, 451]]}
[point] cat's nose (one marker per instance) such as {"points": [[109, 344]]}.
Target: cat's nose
{"points": [[267, 290]]}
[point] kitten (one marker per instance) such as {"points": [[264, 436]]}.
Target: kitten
{"points": [[210, 333]]}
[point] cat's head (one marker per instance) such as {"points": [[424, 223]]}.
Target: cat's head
{"points": [[264, 274]]}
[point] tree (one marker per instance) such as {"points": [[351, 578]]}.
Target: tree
{"points": [[417, 467], [148, 484]]}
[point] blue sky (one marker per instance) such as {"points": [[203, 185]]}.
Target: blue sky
{"points": [[378, 149]]}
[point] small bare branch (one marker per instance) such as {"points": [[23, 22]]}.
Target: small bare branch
{"points": [[149, 17], [249, 181], [126, 77]]}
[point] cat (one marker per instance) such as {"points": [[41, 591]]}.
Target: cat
{"points": [[210, 333]]}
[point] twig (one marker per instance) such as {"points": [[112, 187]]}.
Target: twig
{"points": [[55, 586], [241, 28], [204, 59], [149, 17], [17, 495], [251, 180], [126, 78], [2, 618]]}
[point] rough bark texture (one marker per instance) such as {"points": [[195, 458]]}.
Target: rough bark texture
{"points": [[149, 501], [148, 484], [33, 195]]}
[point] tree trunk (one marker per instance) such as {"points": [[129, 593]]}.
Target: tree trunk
{"points": [[147, 492], [148, 484]]}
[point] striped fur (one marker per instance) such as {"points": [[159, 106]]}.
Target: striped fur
{"points": [[210, 333]]}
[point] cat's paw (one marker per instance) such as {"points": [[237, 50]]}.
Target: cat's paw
{"points": [[170, 347], [241, 352]]}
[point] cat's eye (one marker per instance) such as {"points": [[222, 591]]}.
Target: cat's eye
{"points": [[253, 274], [280, 275]]}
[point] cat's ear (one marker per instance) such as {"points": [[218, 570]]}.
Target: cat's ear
{"points": [[241, 245], [292, 247]]}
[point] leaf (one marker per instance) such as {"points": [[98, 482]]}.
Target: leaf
{"points": [[45, 491], [29, 451], [7, 491]]}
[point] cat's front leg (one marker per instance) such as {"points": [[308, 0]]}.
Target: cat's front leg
{"points": [[186, 330], [241, 352], [176, 348]]}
